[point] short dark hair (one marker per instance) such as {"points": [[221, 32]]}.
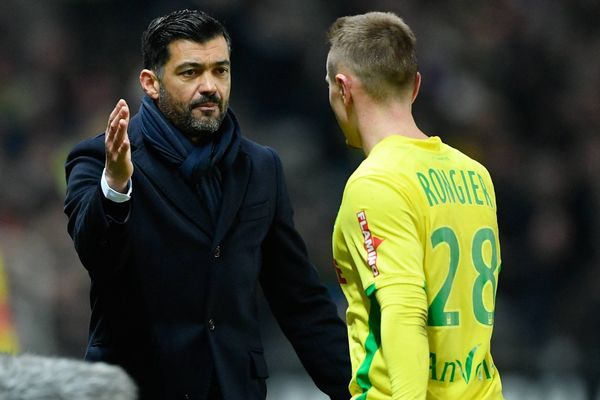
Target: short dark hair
{"points": [[194, 25]]}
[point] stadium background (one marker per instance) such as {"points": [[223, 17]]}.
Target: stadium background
{"points": [[514, 84]]}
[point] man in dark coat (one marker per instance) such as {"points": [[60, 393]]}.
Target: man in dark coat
{"points": [[178, 218]]}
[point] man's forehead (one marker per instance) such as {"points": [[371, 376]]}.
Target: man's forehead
{"points": [[215, 49]]}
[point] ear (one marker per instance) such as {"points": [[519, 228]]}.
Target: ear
{"points": [[344, 84], [150, 83], [416, 87]]}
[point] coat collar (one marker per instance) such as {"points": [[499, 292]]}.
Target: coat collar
{"points": [[183, 197]]}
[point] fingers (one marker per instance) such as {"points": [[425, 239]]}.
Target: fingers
{"points": [[121, 111], [116, 130], [122, 139], [122, 121], [119, 167], [117, 108]]}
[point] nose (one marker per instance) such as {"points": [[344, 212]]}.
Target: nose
{"points": [[207, 84]]}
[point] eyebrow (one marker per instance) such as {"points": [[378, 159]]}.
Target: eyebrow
{"points": [[194, 64]]}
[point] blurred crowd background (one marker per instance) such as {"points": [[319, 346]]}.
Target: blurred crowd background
{"points": [[514, 84]]}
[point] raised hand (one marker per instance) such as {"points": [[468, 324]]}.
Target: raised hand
{"points": [[119, 167]]}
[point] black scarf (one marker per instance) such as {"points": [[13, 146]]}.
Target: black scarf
{"points": [[200, 165]]}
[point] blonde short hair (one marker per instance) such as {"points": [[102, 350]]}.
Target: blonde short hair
{"points": [[379, 47]]}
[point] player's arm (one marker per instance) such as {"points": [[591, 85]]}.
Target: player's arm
{"points": [[395, 280], [404, 343]]}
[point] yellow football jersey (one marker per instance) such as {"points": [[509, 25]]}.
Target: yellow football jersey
{"points": [[423, 213]]}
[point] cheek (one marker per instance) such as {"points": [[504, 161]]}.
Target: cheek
{"points": [[182, 94], [338, 108], [225, 89], [331, 97]]}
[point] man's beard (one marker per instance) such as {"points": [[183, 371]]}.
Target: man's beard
{"points": [[180, 115]]}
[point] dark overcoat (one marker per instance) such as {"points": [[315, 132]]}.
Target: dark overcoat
{"points": [[174, 295]]}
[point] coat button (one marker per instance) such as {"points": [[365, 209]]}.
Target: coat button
{"points": [[217, 252], [211, 324]]}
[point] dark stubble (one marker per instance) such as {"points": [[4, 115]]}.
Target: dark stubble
{"points": [[180, 115]]}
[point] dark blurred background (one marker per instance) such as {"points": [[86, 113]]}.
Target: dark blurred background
{"points": [[514, 84]]}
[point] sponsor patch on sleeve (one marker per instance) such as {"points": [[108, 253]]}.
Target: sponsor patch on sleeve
{"points": [[371, 242]]}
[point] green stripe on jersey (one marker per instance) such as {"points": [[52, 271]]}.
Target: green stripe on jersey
{"points": [[372, 344]]}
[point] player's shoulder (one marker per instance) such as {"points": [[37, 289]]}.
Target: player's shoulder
{"points": [[376, 182], [367, 171], [387, 165]]}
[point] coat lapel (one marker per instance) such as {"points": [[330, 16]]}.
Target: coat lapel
{"points": [[235, 181], [173, 186]]}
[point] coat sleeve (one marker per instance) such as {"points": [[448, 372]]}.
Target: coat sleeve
{"points": [[97, 225], [301, 304]]}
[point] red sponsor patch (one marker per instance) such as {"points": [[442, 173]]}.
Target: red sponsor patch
{"points": [[371, 242], [338, 272]]}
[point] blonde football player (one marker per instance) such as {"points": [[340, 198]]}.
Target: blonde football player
{"points": [[416, 237]]}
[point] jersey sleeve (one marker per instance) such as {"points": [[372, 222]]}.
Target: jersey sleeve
{"points": [[404, 342], [380, 230]]}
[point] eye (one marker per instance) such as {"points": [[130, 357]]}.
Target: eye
{"points": [[188, 72], [222, 70]]}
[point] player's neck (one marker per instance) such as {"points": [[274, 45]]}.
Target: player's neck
{"points": [[376, 122]]}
